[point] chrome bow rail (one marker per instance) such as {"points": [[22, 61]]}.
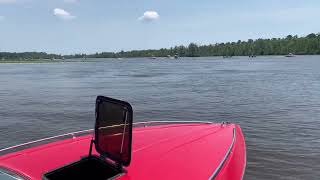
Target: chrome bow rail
{"points": [[45, 141], [155, 123], [86, 132]]}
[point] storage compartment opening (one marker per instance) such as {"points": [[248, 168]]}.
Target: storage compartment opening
{"points": [[113, 140], [88, 168]]}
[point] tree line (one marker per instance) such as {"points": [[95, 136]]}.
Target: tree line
{"points": [[305, 45]]}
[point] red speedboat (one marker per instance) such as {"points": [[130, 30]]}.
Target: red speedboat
{"points": [[120, 149]]}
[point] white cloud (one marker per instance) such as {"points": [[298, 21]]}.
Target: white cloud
{"points": [[149, 16], [61, 13]]}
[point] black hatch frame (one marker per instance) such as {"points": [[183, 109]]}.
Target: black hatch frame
{"points": [[113, 127], [129, 118]]}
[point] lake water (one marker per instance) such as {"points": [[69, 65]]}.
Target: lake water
{"points": [[276, 101]]}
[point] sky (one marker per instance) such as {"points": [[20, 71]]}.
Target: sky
{"points": [[89, 26]]}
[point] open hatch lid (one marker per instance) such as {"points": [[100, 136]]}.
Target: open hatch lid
{"points": [[113, 129]]}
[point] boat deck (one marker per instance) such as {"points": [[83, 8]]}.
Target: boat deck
{"points": [[176, 151]]}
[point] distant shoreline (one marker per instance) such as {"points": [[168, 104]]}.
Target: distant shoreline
{"points": [[17, 61], [81, 60], [305, 45], [26, 61]]}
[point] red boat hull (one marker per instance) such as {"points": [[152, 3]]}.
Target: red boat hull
{"points": [[176, 151]]}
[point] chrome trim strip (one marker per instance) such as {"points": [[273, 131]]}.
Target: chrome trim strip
{"points": [[170, 122], [245, 164], [73, 134], [215, 173], [11, 176], [116, 176], [124, 131]]}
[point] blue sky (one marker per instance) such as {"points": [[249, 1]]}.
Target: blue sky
{"points": [[88, 26]]}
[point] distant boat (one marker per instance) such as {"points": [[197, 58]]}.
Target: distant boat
{"points": [[289, 55], [252, 56], [153, 57], [176, 56]]}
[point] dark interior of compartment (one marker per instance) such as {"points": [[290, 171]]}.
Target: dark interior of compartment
{"points": [[88, 168]]}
